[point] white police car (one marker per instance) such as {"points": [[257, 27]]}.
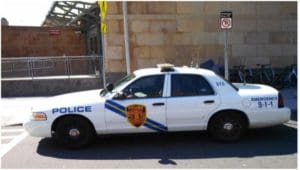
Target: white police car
{"points": [[163, 99]]}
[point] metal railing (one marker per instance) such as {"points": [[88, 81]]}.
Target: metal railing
{"points": [[50, 67]]}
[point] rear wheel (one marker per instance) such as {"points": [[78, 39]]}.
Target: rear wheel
{"points": [[74, 132], [227, 126]]}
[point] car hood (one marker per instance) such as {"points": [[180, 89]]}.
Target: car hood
{"points": [[70, 99]]}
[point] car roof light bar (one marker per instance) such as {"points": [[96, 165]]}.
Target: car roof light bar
{"points": [[165, 67]]}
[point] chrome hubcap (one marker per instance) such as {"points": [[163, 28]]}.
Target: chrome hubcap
{"points": [[74, 132], [228, 126]]}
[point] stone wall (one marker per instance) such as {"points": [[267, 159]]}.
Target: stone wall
{"points": [[18, 41], [51, 87], [47, 87], [182, 32]]}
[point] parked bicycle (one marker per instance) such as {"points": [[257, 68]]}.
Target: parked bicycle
{"points": [[263, 74], [287, 77], [291, 78], [266, 74], [242, 74]]}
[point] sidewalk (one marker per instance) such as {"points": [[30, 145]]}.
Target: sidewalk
{"points": [[17, 110]]}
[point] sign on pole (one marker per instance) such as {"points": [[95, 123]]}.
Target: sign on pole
{"points": [[226, 19], [226, 24], [103, 8]]}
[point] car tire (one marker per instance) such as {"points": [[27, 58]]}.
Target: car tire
{"points": [[227, 126], [74, 132]]}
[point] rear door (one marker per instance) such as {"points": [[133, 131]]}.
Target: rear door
{"points": [[191, 98]]}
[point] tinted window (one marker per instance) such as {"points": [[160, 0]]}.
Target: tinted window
{"points": [[146, 87], [190, 85]]}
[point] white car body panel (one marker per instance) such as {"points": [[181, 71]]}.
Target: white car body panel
{"points": [[257, 102], [119, 124]]}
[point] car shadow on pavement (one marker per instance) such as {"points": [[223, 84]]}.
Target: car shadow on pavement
{"points": [[279, 140]]}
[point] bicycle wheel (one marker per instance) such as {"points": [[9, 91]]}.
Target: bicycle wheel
{"points": [[267, 77], [234, 76], [241, 77], [279, 80], [249, 77]]}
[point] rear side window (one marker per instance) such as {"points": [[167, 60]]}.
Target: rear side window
{"points": [[190, 85]]}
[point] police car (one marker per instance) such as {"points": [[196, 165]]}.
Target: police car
{"points": [[163, 99]]}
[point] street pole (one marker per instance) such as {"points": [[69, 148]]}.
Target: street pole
{"points": [[226, 55], [126, 37], [103, 7], [103, 61], [226, 23]]}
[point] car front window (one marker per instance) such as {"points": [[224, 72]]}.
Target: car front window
{"points": [[146, 87]]}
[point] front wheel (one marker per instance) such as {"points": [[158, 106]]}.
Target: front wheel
{"points": [[74, 132], [227, 126]]}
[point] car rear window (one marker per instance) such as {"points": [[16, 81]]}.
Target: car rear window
{"points": [[228, 82], [190, 85]]}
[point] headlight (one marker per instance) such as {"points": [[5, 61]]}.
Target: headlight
{"points": [[39, 116]]}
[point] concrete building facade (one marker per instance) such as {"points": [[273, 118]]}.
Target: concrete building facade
{"points": [[174, 32], [185, 32]]}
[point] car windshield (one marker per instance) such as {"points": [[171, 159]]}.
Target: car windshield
{"points": [[123, 81], [119, 84]]}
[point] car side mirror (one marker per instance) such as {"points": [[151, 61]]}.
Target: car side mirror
{"points": [[109, 87], [102, 91], [120, 96]]}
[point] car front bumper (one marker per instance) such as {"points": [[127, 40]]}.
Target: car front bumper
{"points": [[38, 128]]}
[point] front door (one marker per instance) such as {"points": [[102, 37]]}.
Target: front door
{"points": [[143, 108]]}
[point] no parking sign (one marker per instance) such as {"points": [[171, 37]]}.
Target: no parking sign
{"points": [[226, 19]]}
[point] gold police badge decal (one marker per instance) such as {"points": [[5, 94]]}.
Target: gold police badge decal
{"points": [[136, 114]]}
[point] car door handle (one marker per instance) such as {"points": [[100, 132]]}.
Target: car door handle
{"points": [[208, 101], [158, 104]]}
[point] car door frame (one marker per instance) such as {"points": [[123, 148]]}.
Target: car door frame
{"points": [[149, 121], [203, 125]]}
